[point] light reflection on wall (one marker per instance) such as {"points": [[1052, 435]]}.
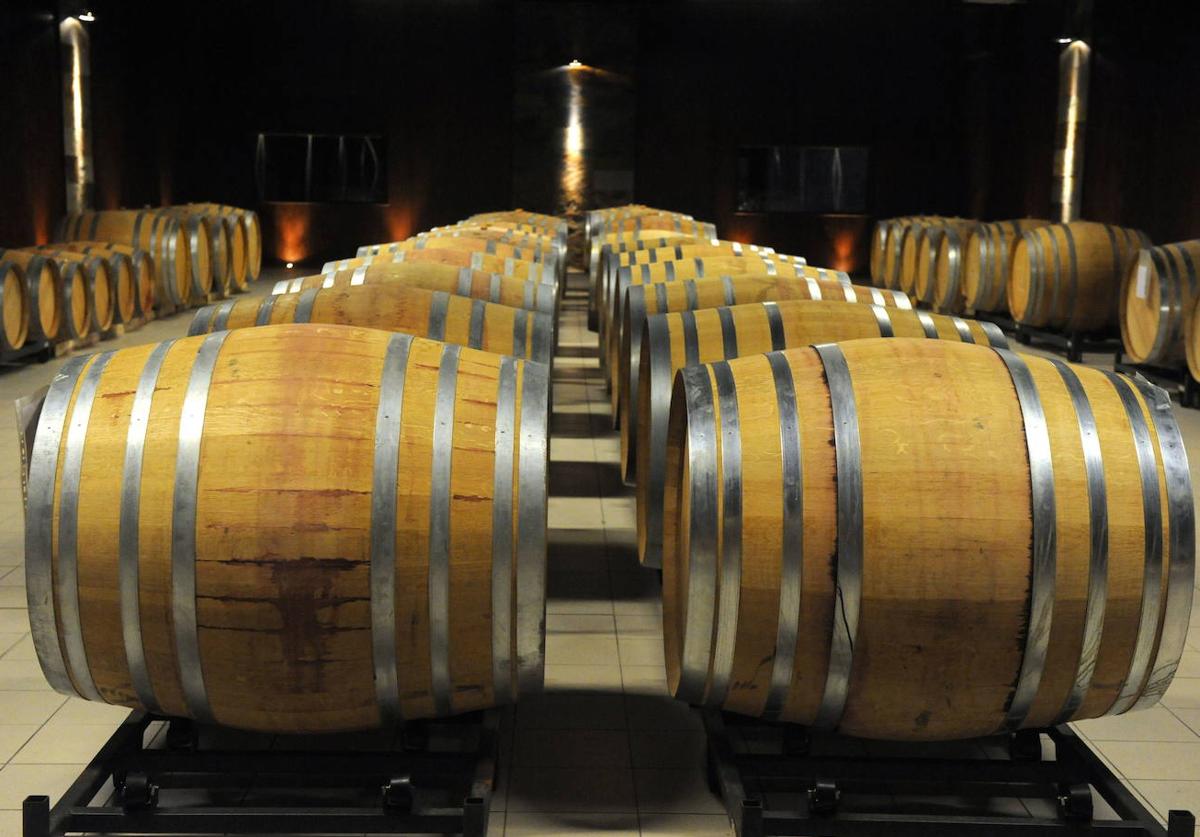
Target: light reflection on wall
{"points": [[573, 178], [291, 233]]}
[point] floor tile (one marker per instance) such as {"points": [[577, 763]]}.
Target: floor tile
{"points": [[22, 676], [572, 748], [1155, 724], [1155, 760], [686, 825], [13, 738], [668, 750], [1183, 693], [676, 792], [580, 789], [12, 596], [583, 677], [22, 649], [1169, 795], [641, 650], [14, 620], [572, 710], [659, 712], [18, 781], [7, 641], [554, 824], [563, 623], [79, 712], [29, 707], [590, 649], [646, 680], [58, 743]]}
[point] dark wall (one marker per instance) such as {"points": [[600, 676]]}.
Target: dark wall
{"points": [[955, 100], [185, 91], [32, 181]]}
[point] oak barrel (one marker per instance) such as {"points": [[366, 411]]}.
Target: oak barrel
{"points": [[295, 548], [517, 268], [1068, 276], [145, 275], [544, 254], [394, 307], [433, 276], [44, 294], [1021, 556], [930, 245], [675, 341], [987, 262], [14, 307], [158, 233], [642, 301], [122, 284], [1157, 296], [247, 219]]}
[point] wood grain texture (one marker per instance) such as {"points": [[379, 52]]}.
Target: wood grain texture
{"points": [[987, 259], [284, 520], [1068, 276], [946, 538], [1158, 294]]}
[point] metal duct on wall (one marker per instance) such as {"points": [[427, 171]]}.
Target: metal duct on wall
{"points": [[1074, 66], [77, 115]]}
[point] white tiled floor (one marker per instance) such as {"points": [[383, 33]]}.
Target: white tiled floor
{"points": [[605, 750]]}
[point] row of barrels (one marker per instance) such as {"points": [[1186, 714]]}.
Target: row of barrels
{"points": [[1021, 555], [320, 511], [1079, 277]]}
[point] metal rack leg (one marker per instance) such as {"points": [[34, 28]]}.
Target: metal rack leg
{"points": [[751, 819], [1181, 824], [35, 816]]}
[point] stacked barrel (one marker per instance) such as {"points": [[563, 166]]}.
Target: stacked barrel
{"points": [[320, 511], [882, 520]]}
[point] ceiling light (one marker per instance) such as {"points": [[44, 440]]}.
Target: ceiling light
{"points": [[87, 17]]}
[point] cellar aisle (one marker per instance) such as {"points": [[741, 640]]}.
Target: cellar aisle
{"points": [[605, 750]]}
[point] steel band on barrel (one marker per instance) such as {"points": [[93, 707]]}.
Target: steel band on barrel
{"points": [[221, 318], [39, 569], [703, 534], [128, 568], [994, 335], [531, 528], [964, 330], [689, 291], [814, 288], [775, 324], [1044, 541], [730, 587], [67, 569], [1182, 545], [1139, 663], [502, 531], [264, 311], [792, 560], [475, 327], [884, 320], [520, 327], [927, 325], [439, 530], [727, 284], [202, 322], [1097, 590], [660, 299], [728, 333], [848, 456], [437, 315], [659, 334], [302, 313], [183, 527], [383, 526], [691, 340]]}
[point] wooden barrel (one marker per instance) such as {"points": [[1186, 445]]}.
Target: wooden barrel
{"points": [[14, 307], [122, 284], [643, 301], [44, 295], [884, 249], [528, 234], [394, 307], [247, 220], [523, 269], [599, 246], [893, 249], [675, 341], [987, 262], [929, 244], [228, 246], [1157, 297], [1068, 276], [364, 573], [550, 223], [145, 276], [1020, 557], [940, 267], [546, 256], [697, 268], [432, 276], [157, 232]]}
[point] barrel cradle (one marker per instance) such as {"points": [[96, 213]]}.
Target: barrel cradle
{"points": [[384, 558], [433, 276], [987, 261], [1158, 294], [1059, 589], [642, 301], [675, 341], [434, 314], [1068, 276]]}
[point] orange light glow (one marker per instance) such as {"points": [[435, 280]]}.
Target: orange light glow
{"points": [[400, 222], [291, 233], [843, 251]]}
